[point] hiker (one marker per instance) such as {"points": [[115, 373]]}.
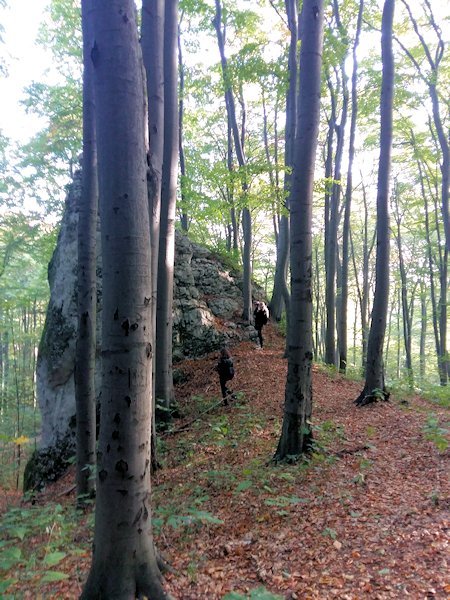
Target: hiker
{"points": [[225, 368], [261, 316]]}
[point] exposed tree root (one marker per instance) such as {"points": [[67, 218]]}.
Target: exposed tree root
{"points": [[371, 397]]}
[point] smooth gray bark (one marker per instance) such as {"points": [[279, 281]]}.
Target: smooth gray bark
{"points": [[124, 563], [152, 44], [184, 219], [296, 430], [164, 380], [343, 321], [374, 388], [247, 313], [280, 295], [85, 396]]}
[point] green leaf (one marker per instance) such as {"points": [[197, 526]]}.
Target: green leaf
{"points": [[18, 532], [50, 576], [4, 585], [10, 557], [54, 558], [243, 485], [329, 532]]}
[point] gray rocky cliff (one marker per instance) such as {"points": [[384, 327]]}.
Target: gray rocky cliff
{"points": [[207, 312]]}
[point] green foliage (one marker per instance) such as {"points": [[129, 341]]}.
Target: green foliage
{"points": [[191, 519], [437, 395], [257, 594], [28, 561], [436, 433]]}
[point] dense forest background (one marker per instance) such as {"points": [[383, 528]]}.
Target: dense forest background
{"points": [[211, 205]]}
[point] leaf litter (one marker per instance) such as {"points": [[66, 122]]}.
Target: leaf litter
{"points": [[365, 516]]}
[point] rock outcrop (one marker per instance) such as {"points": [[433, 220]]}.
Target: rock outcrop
{"points": [[207, 312]]}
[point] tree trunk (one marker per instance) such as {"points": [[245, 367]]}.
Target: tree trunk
{"points": [[246, 216], [164, 380], [85, 397], [333, 224], [152, 44], [184, 220], [280, 289], [423, 331], [124, 564], [406, 320], [343, 325], [296, 431], [374, 388]]}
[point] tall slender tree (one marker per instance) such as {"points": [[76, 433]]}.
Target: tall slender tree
{"points": [[87, 283], [164, 380], [296, 432], [239, 150], [348, 200], [374, 388], [280, 293], [124, 563], [152, 44]]}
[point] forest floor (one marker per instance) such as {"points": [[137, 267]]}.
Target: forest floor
{"points": [[366, 516]]}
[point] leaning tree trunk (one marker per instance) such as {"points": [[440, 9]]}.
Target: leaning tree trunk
{"points": [[85, 398], [296, 432], [374, 388], [124, 563], [164, 380]]}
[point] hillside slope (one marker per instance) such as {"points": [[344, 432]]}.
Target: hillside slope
{"points": [[365, 517]]}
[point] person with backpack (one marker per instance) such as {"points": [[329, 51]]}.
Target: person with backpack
{"points": [[225, 368], [261, 317]]}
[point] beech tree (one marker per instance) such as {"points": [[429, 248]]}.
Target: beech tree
{"points": [[124, 563], [280, 292], [374, 388], [239, 150], [343, 317], [87, 283], [296, 432], [164, 300]]}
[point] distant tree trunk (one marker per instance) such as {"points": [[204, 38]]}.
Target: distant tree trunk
{"points": [[439, 312], [343, 325], [164, 379], [85, 397], [406, 318], [124, 564], [329, 340], [184, 220], [431, 80], [423, 330], [333, 224], [296, 431], [247, 313], [234, 242], [280, 290], [374, 388]]}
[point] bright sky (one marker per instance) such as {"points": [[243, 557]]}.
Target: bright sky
{"points": [[25, 62]]}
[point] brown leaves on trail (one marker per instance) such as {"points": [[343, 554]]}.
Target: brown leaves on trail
{"points": [[365, 517]]}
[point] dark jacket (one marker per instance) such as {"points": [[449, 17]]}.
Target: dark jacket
{"points": [[225, 368], [261, 315]]}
